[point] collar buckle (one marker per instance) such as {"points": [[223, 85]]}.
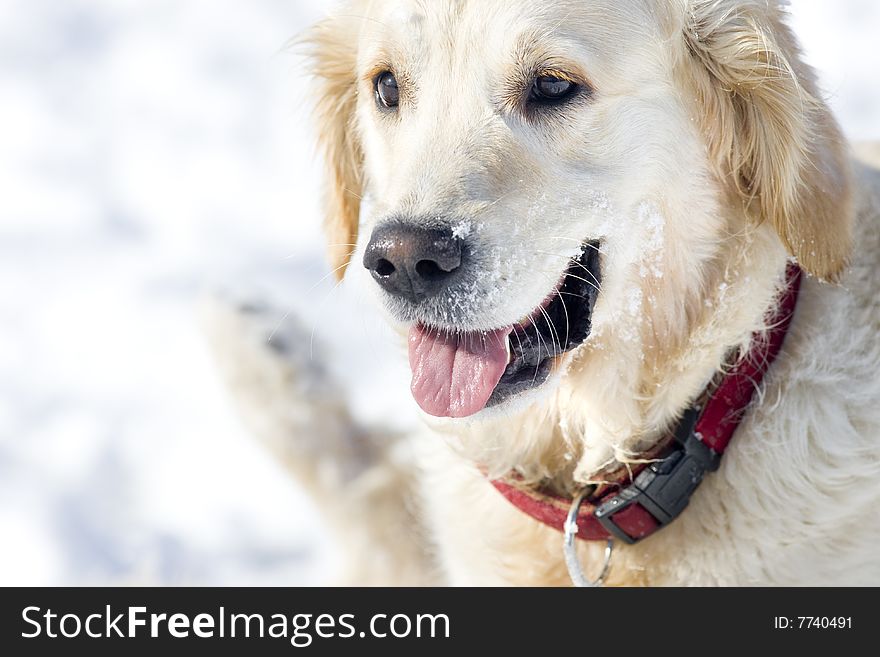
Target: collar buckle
{"points": [[665, 487]]}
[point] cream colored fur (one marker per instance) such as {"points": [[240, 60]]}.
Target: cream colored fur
{"points": [[703, 161]]}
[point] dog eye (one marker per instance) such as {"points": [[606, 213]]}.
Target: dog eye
{"points": [[548, 90], [387, 92]]}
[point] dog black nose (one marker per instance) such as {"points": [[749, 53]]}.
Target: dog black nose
{"points": [[411, 262]]}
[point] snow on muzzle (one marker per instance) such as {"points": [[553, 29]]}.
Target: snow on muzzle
{"points": [[456, 374]]}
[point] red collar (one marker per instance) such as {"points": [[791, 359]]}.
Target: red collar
{"points": [[638, 502]]}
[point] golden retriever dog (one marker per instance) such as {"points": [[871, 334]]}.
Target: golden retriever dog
{"points": [[578, 215]]}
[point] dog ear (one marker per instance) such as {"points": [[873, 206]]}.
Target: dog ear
{"points": [[769, 133], [332, 52]]}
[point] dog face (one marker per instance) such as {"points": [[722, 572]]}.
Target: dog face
{"points": [[485, 233], [532, 184]]}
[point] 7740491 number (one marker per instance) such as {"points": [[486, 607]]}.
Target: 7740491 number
{"points": [[813, 623]]}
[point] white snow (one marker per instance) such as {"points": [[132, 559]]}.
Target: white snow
{"points": [[652, 221], [462, 230], [150, 151]]}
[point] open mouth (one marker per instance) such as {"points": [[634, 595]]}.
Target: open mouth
{"points": [[458, 374]]}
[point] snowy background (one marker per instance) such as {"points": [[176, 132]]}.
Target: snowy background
{"points": [[151, 152]]}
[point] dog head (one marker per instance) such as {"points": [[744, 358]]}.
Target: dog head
{"points": [[539, 189]]}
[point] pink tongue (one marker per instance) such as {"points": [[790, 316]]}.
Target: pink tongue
{"points": [[454, 376]]}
